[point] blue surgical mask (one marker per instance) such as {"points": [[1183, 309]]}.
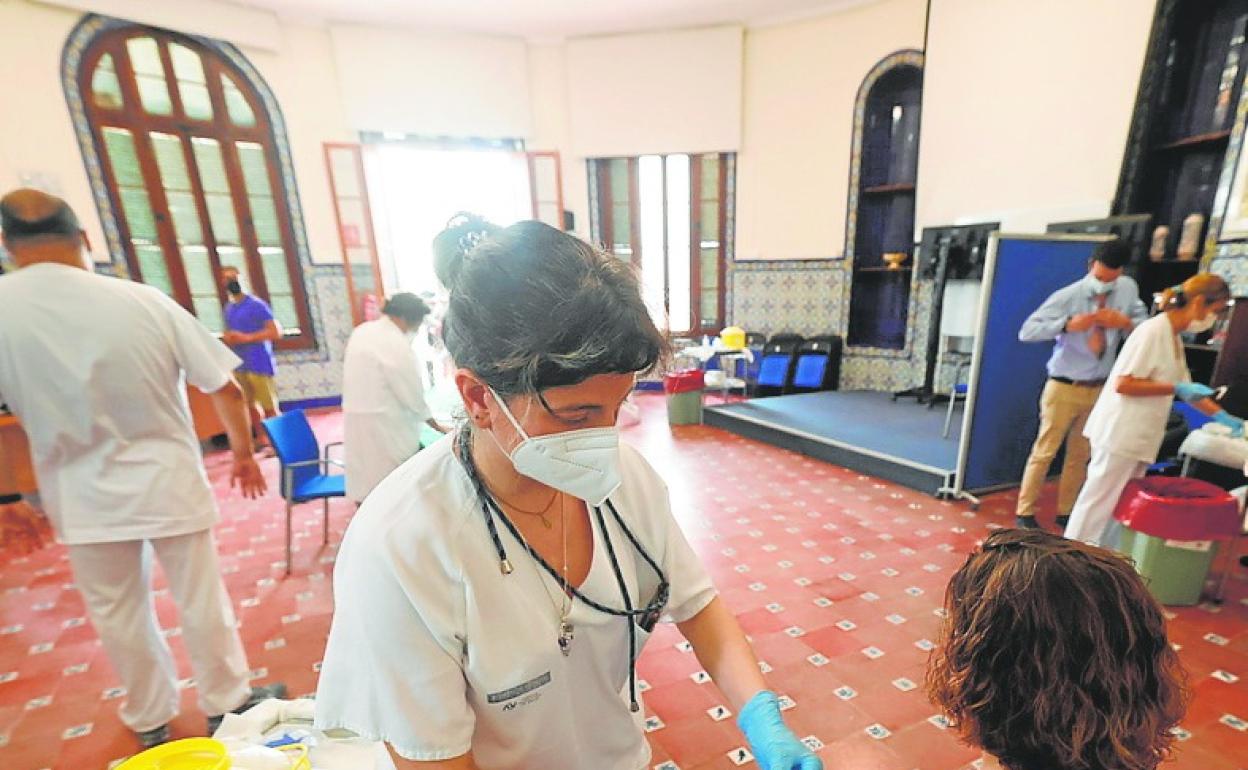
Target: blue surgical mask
{"points": [[1100, 287]]}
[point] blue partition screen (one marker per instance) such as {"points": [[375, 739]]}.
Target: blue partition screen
{"points": [[1005, 411]]}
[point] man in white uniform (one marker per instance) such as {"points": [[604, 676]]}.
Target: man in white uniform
{"points": [[383, 395], [93, 367]]}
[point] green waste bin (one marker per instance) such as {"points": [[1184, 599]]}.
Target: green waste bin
{"points": [[684, 397], [1175, 571], [1169, 529]]}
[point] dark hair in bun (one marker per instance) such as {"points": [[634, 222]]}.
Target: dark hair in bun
{"points": [[532, 307], [451, 246], [407, 306]]}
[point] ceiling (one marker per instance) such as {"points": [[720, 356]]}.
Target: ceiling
{"points": [[550, 19]]}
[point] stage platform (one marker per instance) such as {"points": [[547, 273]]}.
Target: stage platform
{"points": [[864, 431]]}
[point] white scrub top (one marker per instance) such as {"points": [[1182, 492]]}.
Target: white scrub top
{"points": [[1135, 426], [93, 366], [436, 652], [383, 404]]}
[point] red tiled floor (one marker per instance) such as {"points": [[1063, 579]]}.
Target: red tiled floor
{"points": [[825, 568]]}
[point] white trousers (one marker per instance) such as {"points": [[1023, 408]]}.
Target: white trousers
{"points": [[1092, 520], [116, 581]]}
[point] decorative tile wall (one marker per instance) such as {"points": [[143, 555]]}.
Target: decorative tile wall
{"points": [[811, 297], [790, 296]]}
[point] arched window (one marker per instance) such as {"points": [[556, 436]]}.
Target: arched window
{"points": [[880, 230], [189, 161]]}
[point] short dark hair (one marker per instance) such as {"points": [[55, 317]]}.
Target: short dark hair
{"points": [[532, 307], [407, 306], [1054, 655], [27, 216], [1115, 254]]}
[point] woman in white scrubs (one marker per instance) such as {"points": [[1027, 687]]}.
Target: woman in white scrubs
{"points": [[493, 594], [383, 395], [1128, 423]]}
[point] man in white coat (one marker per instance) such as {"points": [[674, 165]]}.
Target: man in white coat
{"points": [[383, 395], [94, 368]]}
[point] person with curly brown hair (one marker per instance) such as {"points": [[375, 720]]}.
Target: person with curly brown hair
{"points": [[1054, 657]]}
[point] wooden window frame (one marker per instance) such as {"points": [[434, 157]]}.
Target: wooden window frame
{"points": [[532, 158], [602, 222], [355, 300], [131, 116]]}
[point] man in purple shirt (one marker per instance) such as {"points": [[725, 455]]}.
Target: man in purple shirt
{"points": [[250, 331]]}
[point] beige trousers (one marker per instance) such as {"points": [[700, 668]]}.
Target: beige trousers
{"points": [[1064, 411]]}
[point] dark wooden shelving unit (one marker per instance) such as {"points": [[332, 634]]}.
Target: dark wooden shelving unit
{"points": [[1189, 90], [1196, 142], [879, 302], [889, 189]]}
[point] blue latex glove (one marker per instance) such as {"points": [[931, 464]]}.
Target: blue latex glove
{"points": [[774, 745], [1193, 391], [1231, 421]]}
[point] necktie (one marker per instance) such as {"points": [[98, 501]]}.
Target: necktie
{"points": [[1096, 337]]}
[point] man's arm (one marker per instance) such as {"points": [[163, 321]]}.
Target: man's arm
{"points": [[232, 409], [1049, 320], [272, 332]]}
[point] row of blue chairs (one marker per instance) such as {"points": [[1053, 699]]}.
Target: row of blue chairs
{"points": [[790, 363]]}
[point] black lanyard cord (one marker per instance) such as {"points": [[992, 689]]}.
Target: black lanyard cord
{"points": [[491, 510], [628, 606], [633, 539]]}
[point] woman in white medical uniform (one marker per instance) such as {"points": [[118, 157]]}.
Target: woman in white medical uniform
{"points": [[493, 594], [1128, 423], [383, 395]]}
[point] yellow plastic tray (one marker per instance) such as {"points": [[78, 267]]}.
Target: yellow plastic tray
{"points": [[186, 754]]}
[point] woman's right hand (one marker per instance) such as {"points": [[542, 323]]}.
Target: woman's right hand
{"points": [[774, 744], [1191, 392]]}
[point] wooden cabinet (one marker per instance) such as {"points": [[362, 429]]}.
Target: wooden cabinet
{"points": [[17, 474]]}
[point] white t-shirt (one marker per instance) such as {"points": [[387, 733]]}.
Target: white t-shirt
{"points": [[93, 366], [1134, 426], [435, 651], [383, 404]]}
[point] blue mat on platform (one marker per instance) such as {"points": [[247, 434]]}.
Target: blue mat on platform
{"points": [[869, 422]]}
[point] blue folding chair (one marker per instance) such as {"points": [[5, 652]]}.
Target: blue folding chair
{"points": [[775, 370], [818, 365], [305, 469]]}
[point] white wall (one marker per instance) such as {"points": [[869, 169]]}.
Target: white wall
{"points": [[224, 21], [37, 144], [800, 83], [435, 84], [552, 130], [1026, 108], [658, 92]]}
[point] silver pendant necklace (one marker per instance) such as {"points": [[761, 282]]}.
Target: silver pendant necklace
{"points": [[566, 631]]}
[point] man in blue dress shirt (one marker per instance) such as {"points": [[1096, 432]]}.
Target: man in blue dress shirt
{"points": [[1089, 320]]}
